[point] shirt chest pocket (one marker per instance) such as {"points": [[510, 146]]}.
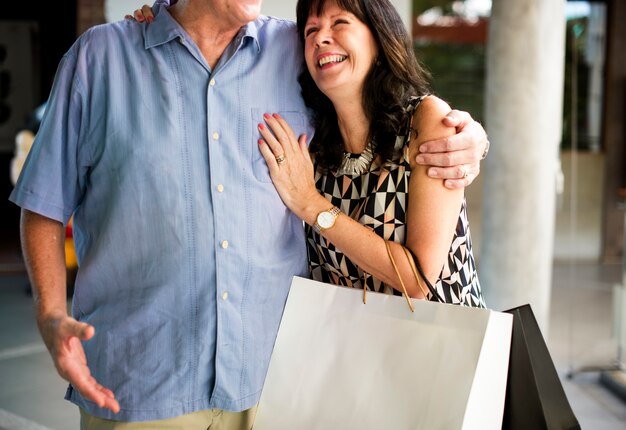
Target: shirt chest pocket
{"points": [[298, 122]]}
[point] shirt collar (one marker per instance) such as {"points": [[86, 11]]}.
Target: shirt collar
{"points": [[164, 29]]}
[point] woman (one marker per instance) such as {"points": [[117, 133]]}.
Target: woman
{"points": [[372, 110]]}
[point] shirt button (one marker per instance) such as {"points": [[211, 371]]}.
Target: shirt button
{"points": [[224, 244], [225, 295], [212, 82], [216, 135], [220, 188]]}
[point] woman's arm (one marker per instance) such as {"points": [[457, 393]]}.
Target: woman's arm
{"points": [[433, 209], [432, 215], [294, 181], [291, 170]]}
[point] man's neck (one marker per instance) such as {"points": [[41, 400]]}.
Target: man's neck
{"points": [[208, 31]]}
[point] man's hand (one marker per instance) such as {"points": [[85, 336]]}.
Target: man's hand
{"points": [[456, 159], [63, 335], [43, 246]]}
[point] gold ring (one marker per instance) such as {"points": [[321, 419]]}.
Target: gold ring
{"points": [[281, 159]]}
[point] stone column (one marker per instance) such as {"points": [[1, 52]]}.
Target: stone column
{"points": [[524, 98]]}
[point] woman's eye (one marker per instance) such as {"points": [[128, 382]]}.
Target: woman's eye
{"points": [[309, 31], [341, 21]]}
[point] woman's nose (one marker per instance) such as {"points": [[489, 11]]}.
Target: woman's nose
{"points": [[322, 37]]}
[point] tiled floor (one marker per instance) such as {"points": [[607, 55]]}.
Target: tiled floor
{"points": [[31, 394], [581, 337]]}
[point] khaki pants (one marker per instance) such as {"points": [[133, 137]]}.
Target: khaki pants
{"points": [[211, 419]]}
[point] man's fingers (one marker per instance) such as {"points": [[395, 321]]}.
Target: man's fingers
{"points": [[86, 331], [112, 405], [81, 330], [71, 363], [455, 177], [455, 184], [445, 173], [446, 144], [461, 171], [99, 397], [446, 159], [457, 118], [81, 379], [107, 392]]}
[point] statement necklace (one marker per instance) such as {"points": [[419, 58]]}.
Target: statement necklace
{"points": [[357, 164]]}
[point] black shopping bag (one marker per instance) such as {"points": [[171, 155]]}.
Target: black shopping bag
{"points": [[535, 398]]}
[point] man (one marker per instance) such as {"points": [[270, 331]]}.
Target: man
{"points": [[186, 251]]}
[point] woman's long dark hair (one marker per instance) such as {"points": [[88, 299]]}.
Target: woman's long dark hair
{"points": [[395, 76]]}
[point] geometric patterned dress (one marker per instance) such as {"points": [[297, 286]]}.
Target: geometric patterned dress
{"points": [[377, 197]]}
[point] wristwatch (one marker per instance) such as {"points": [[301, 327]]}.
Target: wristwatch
{"points": [[326, 219]]}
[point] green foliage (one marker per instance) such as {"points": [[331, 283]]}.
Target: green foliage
{"points": [[458, 74], [458, 71], [420, 6]]}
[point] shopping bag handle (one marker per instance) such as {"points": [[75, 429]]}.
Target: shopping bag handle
{"points": [[415, 268], [416, 264], [395, 268]]}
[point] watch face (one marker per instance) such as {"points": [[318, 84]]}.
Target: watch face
{"points": [[325, 219]]}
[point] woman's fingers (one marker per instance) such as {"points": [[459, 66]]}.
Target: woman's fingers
{"points": [[147, 12], [283, 132], [268, 155], [272, 142], [141, 15], [304, 147], [287, 130], [279, 144], [138, 15]]}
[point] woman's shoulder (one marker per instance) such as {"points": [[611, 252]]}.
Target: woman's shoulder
{"points": [[428, 116], [430, 104]]}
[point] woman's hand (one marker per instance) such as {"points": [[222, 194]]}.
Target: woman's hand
{"points": [[143, 14], [290, 165]]}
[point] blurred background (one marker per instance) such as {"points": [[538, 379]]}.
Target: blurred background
{"points": [[546, 78]]}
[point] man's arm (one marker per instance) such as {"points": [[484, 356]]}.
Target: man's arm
{"points": [[42, 244], [456, 159]]}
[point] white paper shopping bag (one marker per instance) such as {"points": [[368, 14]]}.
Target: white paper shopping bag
{"points": [[341, 364]]}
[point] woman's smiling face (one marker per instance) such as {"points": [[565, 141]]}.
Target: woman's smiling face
{"points": [[339, 50]]}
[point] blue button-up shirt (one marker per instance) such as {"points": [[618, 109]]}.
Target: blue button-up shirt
{"points": [[186, 251]]}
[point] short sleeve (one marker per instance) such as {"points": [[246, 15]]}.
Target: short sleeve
{"points": [[52, 180]]}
